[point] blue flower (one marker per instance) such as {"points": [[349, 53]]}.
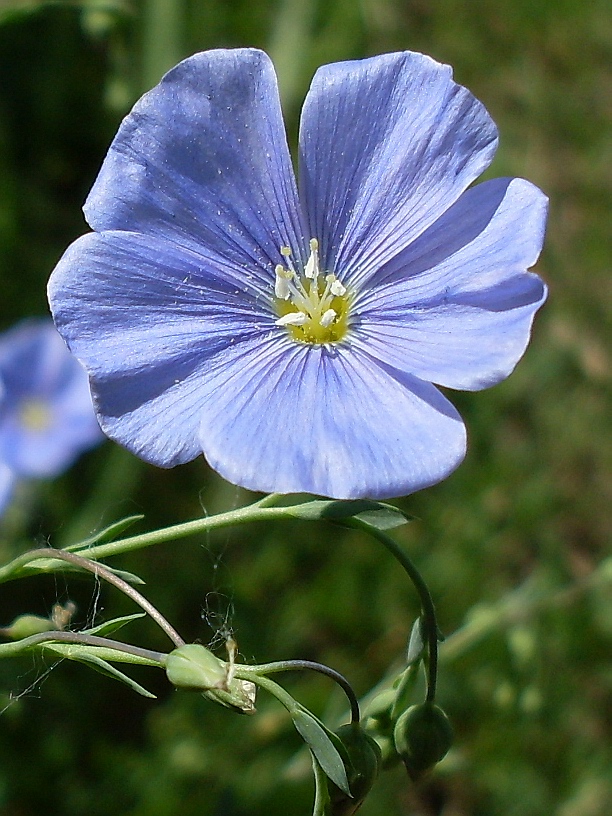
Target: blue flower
{"points": [[295, 338], [46, 413]]}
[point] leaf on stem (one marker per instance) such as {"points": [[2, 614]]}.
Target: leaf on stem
{"points": [[377, 514], [109, 533], [97, 663], [110, 626], [319, 740]]}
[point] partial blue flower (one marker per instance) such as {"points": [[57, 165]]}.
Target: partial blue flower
{"points": [[46, 412], [297, 338]]}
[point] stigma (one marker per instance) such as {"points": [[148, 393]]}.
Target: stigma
{"points": [[312, 305]]}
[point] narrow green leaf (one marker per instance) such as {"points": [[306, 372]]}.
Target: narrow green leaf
{"points": [[47, 565], [110, 626], [109, 533], [377, 514], [322, 802], [105, 668], [384, 517], [101, 666], [318, 739], [331, 510], [416, 646]]}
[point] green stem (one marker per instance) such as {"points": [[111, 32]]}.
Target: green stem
{"points": [[99, 570], [322, 804], [253, 512], [80, 639], [430, 624], [283, 697], [309, 665]]}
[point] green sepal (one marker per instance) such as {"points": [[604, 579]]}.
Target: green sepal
{"points": [[423, 735], [195, 668], [364, 763], [322, 742]]}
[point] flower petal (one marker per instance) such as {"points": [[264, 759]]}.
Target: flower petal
{"points": [[286, 417], [151, 321], [47, 418], [456, 307], [202, 160], [8, 480], [387, 144]]}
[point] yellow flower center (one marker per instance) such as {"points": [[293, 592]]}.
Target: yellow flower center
{"points": [[312, 306], [34, 415]]}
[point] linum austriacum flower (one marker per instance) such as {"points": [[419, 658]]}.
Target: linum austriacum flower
{"points": [[46, 414], [297, 339]]}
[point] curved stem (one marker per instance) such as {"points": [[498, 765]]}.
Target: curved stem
{"points": [[283, 697], [310, 665], [80, 639], [430, 624], [243, 515], [269, 501], [103, 572]]}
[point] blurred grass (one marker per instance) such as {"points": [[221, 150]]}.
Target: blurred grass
{"points": [[524, 519]]}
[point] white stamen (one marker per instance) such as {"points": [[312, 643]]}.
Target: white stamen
{"points": [[310, 298], [311, 269], [293, 319], [328, 317], [281, 283]]}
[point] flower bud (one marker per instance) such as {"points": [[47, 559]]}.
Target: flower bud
{"points": [[194, 667], [364, 764], [422, 736], [26, 625]]}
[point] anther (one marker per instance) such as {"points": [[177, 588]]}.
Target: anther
{"points": [[328, 317], [293, 319], [282, 289], [311, 269]]}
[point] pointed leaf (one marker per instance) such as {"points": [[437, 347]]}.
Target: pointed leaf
{"points": [[46, 565], [318, 739], [110, 626], [416, 646], [380, 515], [100, 665], [322, 803], [384, 517], [330, 510], [105, 668], [109, 533]]}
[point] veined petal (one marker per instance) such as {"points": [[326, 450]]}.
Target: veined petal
{"points": [[456, 307], [289, 417], [202, 160], [152, 320], [387, 144]]}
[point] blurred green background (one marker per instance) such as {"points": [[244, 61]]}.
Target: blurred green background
{"points": [[513, 545]]}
